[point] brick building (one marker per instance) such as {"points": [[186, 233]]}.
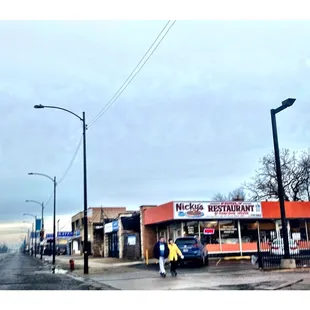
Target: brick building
{"points": [[97, 217], [122, 236]]}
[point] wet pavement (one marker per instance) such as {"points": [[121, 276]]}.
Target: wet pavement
{"points": [[228, 276], [22, 272]]}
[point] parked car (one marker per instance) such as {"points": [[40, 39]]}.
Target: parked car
{"points": [[277, 247], [193, 250]]}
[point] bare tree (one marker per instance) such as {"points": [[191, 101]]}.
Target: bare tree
{"points": [[264, 185], [219, 197], [237, 194], [305, 167]]}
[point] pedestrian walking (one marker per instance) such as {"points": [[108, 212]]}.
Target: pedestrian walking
{"points": [[161, 253], [174, 253]]}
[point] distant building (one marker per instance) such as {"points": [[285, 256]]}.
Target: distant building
{"points": [[97, 217]]}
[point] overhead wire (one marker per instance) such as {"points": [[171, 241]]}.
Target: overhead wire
{"points": [[71, 162], [133, 73], [66, 171], [129, 79]]}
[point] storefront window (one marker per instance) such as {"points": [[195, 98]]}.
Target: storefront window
{"points": [[209, 232], [249, 231], [267, 231], [192, 228], [298, 230], [229, 232]]}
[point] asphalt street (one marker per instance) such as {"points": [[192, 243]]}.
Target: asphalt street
{"points": [[21, 272]]}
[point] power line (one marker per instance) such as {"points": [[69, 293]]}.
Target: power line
{"points": [[71, 162], [68, 223], [133, 75], [49, 199], [66, 172]]}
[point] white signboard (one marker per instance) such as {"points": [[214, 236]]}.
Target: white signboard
{"points": [[131, 240], [108, 228], [217, 210]]}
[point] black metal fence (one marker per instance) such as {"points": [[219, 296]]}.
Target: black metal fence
{"points": [[271, 254]]}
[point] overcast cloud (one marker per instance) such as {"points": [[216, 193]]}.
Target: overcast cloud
{"points": [[194, 122]]}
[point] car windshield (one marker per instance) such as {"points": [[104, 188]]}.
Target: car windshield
{"points": [[186, 241]]}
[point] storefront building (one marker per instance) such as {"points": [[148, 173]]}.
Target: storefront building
{"points": [[122, 236], [227, 228], [96, 219]]}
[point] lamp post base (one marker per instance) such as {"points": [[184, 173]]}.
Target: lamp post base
{"points": [[288, 263]]}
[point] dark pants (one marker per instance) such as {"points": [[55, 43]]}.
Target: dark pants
{"points": [[173, 266]]}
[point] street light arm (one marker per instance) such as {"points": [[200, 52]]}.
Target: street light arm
{"points": [[285, 104], [34, 216], [41, 174], [59, 108], [34, 201], [279, 109]]}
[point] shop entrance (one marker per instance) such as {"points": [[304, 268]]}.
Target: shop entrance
{"points": [[113, 245]]}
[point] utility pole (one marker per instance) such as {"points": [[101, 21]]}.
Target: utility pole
{"points": [[102, 220], [58, 232]]}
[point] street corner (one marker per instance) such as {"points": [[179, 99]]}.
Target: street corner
{"points": [[86, 279]]}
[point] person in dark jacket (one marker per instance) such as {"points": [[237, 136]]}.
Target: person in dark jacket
{"points": [[161, 253]]}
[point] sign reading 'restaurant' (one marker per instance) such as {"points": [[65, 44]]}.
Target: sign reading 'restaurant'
{"points": [[215, 210]]}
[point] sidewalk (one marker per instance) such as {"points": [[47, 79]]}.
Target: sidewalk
{"points": [[95, 264], [128, 275], [205, 280]]}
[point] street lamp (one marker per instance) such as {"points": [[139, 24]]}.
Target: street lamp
{"points": [[30, 241], [35, 251], [285, 104], [54, 215], [82, 119], [42, 207], [34, 235]]}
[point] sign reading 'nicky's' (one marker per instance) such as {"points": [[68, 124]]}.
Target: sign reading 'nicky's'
{"points": [[212, 210]]}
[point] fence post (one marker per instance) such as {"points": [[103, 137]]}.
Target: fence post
{"points": [[259, 253]]}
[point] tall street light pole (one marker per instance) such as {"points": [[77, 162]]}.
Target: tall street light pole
{"points": [[82, 119], [29, 235], [54, 215], [34, 232], [285, 104], [42, 209], [58, 232], [42, 225]]}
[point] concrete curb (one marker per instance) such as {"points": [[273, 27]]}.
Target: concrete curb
{"points": [[95, 284], [287, 284], [237, 258]]}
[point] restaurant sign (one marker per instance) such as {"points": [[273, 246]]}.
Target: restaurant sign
{"points": [[217, 210]]}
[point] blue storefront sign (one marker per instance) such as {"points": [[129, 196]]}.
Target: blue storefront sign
{"points": [[115, 226], [77, 233], [34, 235], [64, 234], [111, 227], [49, 236], [38, 224]]}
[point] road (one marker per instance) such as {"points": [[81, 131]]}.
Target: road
{"points": [[21, 272]]}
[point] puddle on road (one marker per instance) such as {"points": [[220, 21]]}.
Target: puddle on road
{"points": [[50, 271], [61, 271]]}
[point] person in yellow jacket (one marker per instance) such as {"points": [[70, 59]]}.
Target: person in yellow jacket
{"points": [[174, 252]]}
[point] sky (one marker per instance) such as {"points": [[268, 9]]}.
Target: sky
{"points": [[194, 122]]}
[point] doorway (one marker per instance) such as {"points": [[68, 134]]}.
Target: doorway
{"points": [[113, 245]]}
